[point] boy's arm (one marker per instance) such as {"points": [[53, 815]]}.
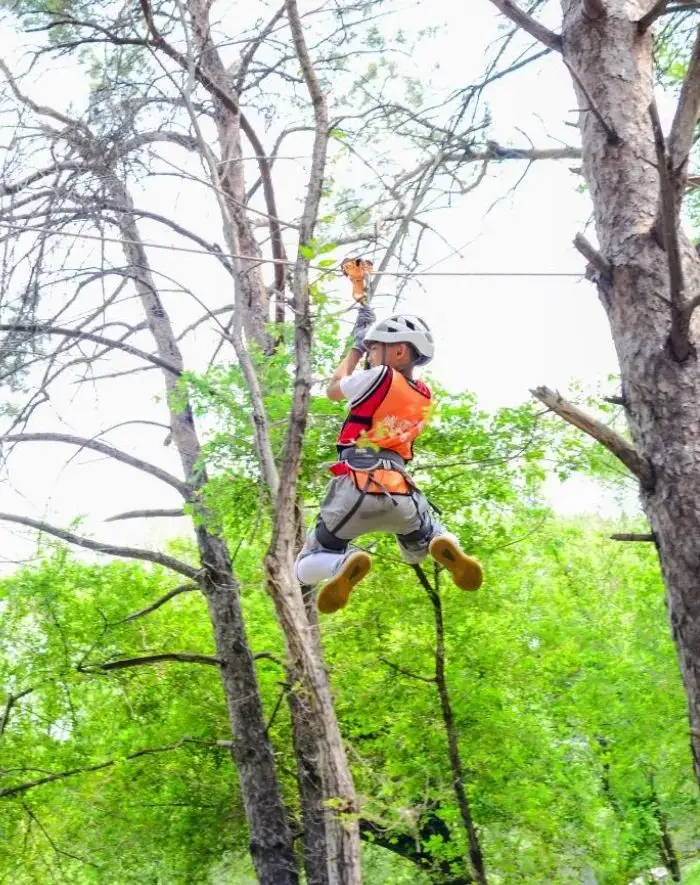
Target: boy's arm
{"points": [[365, 318], [347, 367]]}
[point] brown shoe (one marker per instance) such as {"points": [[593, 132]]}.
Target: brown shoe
{"points": [[336, 592], [466, 572]]}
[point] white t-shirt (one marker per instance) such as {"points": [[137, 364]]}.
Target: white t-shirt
{"points": [[358, 384]]}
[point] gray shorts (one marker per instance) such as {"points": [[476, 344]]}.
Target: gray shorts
{"points": [[409, 517]]}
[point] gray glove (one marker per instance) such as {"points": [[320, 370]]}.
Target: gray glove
{"points": [[365, 318]]}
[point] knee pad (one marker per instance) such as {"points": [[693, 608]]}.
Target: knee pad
{"points": [[327, 539]]}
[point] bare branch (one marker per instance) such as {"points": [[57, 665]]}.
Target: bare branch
{"points": [[9, 704], [227, 308], [682, 6], [146, 514], [41, 110], [100, 547], [608, 438], [397, 669], [613, 138], [679, 340], [268, 656], [276, 708], [647, 20], [72, 772], [175, 656], [594, 258], [260, 37], [104, 449], [232, 107], [682, 135], [136, 142], [631, 536], [183, 588], [296, 427], [15, 187], [32, 329], [58, 851], [215, 250], [529, 24]]}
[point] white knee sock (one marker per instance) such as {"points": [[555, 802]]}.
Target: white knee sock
{"points": [[317, 567]]}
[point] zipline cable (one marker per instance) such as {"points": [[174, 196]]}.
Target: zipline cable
{"points": [[260, 260]]}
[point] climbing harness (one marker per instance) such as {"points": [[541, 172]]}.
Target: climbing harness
{"points": [[365, 461]]}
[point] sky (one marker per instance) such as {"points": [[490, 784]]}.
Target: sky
{"points": [[498, 336]]}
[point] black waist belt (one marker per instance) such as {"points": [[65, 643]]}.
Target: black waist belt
{"points": [[371, 459]]}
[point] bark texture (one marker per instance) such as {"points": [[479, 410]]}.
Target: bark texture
{"points": [[611, 65], [316, 727], [270, 838], [476, 855], [238, 230]]}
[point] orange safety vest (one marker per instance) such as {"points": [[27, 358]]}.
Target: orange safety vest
{"points": [[390, 415]]}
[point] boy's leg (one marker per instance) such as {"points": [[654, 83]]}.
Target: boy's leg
{"points": [[431, 536], [341, 571], [466, 572], [328, 557]]}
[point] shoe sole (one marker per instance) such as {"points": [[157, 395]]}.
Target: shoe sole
{"points": [[336, 592], [466, 572]]}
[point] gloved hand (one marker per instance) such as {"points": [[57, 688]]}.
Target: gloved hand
{"points": [[365, 318]]}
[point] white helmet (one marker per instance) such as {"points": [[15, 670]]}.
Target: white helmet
{"points": [[404, 329]]}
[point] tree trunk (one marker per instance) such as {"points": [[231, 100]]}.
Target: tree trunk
{"points": [[238, 231], [320, 726], [341, 838], [476, 856], [309, 770], [270, 838], [667, 850], [612, 67]]}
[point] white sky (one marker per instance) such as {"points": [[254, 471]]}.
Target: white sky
{"points": [[497, 336]]}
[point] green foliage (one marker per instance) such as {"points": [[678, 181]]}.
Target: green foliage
{"points": [[562, 676]]}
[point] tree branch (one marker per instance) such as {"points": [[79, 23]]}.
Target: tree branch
{"points": [[631, 536], [679, 339], [397, 669], [647, 20], [100, 547], [202, 77], [268, 656], [608, 438], [110, 451], [260, 37], [15, 187], [406, 845], [9, 704], [32, 329], [682, 135], [41, 110], [593, 257], [529, 24], [146, 514], [177, 657], [183, 588], [215, 250], [303, 330], [62, 775], [610, 133]]}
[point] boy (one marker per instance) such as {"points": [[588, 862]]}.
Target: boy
{"points": [[371, 491]]}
